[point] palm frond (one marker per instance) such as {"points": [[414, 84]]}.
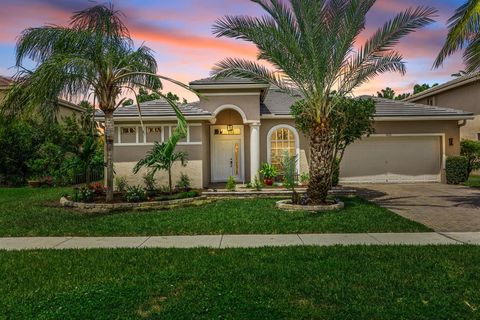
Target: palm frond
{"points": [[471, 56], [464, 24], [236, 67]]}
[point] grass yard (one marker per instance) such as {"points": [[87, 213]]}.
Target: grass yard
{"points": [[356, 282], [473, 181], [35, 212]]}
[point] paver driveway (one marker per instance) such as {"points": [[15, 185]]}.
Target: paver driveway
{"points": [[441, 207]]}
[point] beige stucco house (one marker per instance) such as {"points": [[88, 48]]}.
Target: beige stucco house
{"points": [[239, 124], [463, 93], [65, 108]]}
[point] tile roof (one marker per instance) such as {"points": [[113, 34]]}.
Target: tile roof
{"points": [[278, 103], [460, 81], [395, 108], [158, 108]]}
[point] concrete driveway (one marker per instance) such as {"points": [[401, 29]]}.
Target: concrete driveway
{"points": [[441, 207]]}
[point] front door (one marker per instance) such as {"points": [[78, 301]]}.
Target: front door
{"points": [[226, 159]]}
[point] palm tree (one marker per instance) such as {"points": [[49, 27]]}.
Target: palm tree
{"points": [[310, 46], [162, 157], [464, 27], [94, 55]]}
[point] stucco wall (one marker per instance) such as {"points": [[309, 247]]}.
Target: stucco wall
{"points": [[466, 98], [250, 104], [193, 170]]}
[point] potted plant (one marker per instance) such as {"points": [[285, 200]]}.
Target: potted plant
{"points": [[268, 172]]}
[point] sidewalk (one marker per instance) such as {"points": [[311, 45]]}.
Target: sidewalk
{"points": [[241, 241]]}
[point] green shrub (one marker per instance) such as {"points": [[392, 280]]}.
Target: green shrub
{"points": [[456, 168], [257, 183], [184, 182], [231, 184], [135, 194], [268, 171], [86, 195], [180, 195], [149, 181], [470, 149], [304, 177], [336, 173], [121, 184]]}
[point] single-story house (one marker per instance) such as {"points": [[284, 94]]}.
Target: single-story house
{"points": [[462, 92], [65, 108], [238, 124]]}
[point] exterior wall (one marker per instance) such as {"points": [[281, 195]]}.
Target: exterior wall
{"points": [[466, 98], [250, 103], [64, 112], [126, 156]]}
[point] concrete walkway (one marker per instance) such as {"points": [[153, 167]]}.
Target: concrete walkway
{"points": [[241, 241]]}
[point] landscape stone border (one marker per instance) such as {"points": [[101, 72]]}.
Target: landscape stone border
{"points": [[288, 206], [147, 205], [271, 193]]}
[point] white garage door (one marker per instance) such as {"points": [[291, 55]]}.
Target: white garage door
{"points": [[392, 160]]}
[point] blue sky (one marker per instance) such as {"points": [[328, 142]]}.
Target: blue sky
{"points": [[180, 33]]}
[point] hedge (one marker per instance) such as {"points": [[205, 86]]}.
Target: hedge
{"points": [[456, 168]]}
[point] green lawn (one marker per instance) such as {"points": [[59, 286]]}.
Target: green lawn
{"points": [[35, 212], [473, 181], [357, 282]]}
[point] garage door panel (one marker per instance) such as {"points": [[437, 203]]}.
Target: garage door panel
{"points": [[392, 159]]}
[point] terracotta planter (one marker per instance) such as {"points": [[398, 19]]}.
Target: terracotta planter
{"points": [[268, 182]]}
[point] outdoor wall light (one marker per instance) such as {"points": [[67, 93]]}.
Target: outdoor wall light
{"points": [[450, 141]]}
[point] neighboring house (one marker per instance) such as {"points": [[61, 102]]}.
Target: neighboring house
{"points": [[463, 93], [65, 108], [238, 124]]}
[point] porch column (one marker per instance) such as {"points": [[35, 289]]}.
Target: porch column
{"points": [[254, 149]]}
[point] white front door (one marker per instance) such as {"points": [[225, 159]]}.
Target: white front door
{"points": [[227, 154], [226, 159]]}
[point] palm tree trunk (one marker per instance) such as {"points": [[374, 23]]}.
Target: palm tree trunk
{"points": [[321, 164], [109, 132], [170, 179]]}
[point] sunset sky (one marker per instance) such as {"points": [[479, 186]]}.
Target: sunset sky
{"points": [[179, 31]]}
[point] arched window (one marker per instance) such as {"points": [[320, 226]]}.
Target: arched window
{"points": [[282, 138]]}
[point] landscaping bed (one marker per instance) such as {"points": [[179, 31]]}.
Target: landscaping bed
{"points": [[356, 282], [36, 212]]}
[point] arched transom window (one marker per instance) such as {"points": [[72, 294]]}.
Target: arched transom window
{"points": [[281, 139]]}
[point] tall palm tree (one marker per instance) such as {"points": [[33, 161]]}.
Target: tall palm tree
{"points": [[94, 55], [464, 31], [310, 45]]}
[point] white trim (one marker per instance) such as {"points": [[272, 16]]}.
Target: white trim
{"points": [[232, 107], [228, 86], [399, 118], [423, 118], [164, 127], [226, 137], [297, 143], [231, 94], [154, 118]]}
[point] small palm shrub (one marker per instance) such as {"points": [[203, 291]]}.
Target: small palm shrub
{"points": [[135, 194], [257, 184], [184, 182], [121, 184], [456, 169], [231, 184]]}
